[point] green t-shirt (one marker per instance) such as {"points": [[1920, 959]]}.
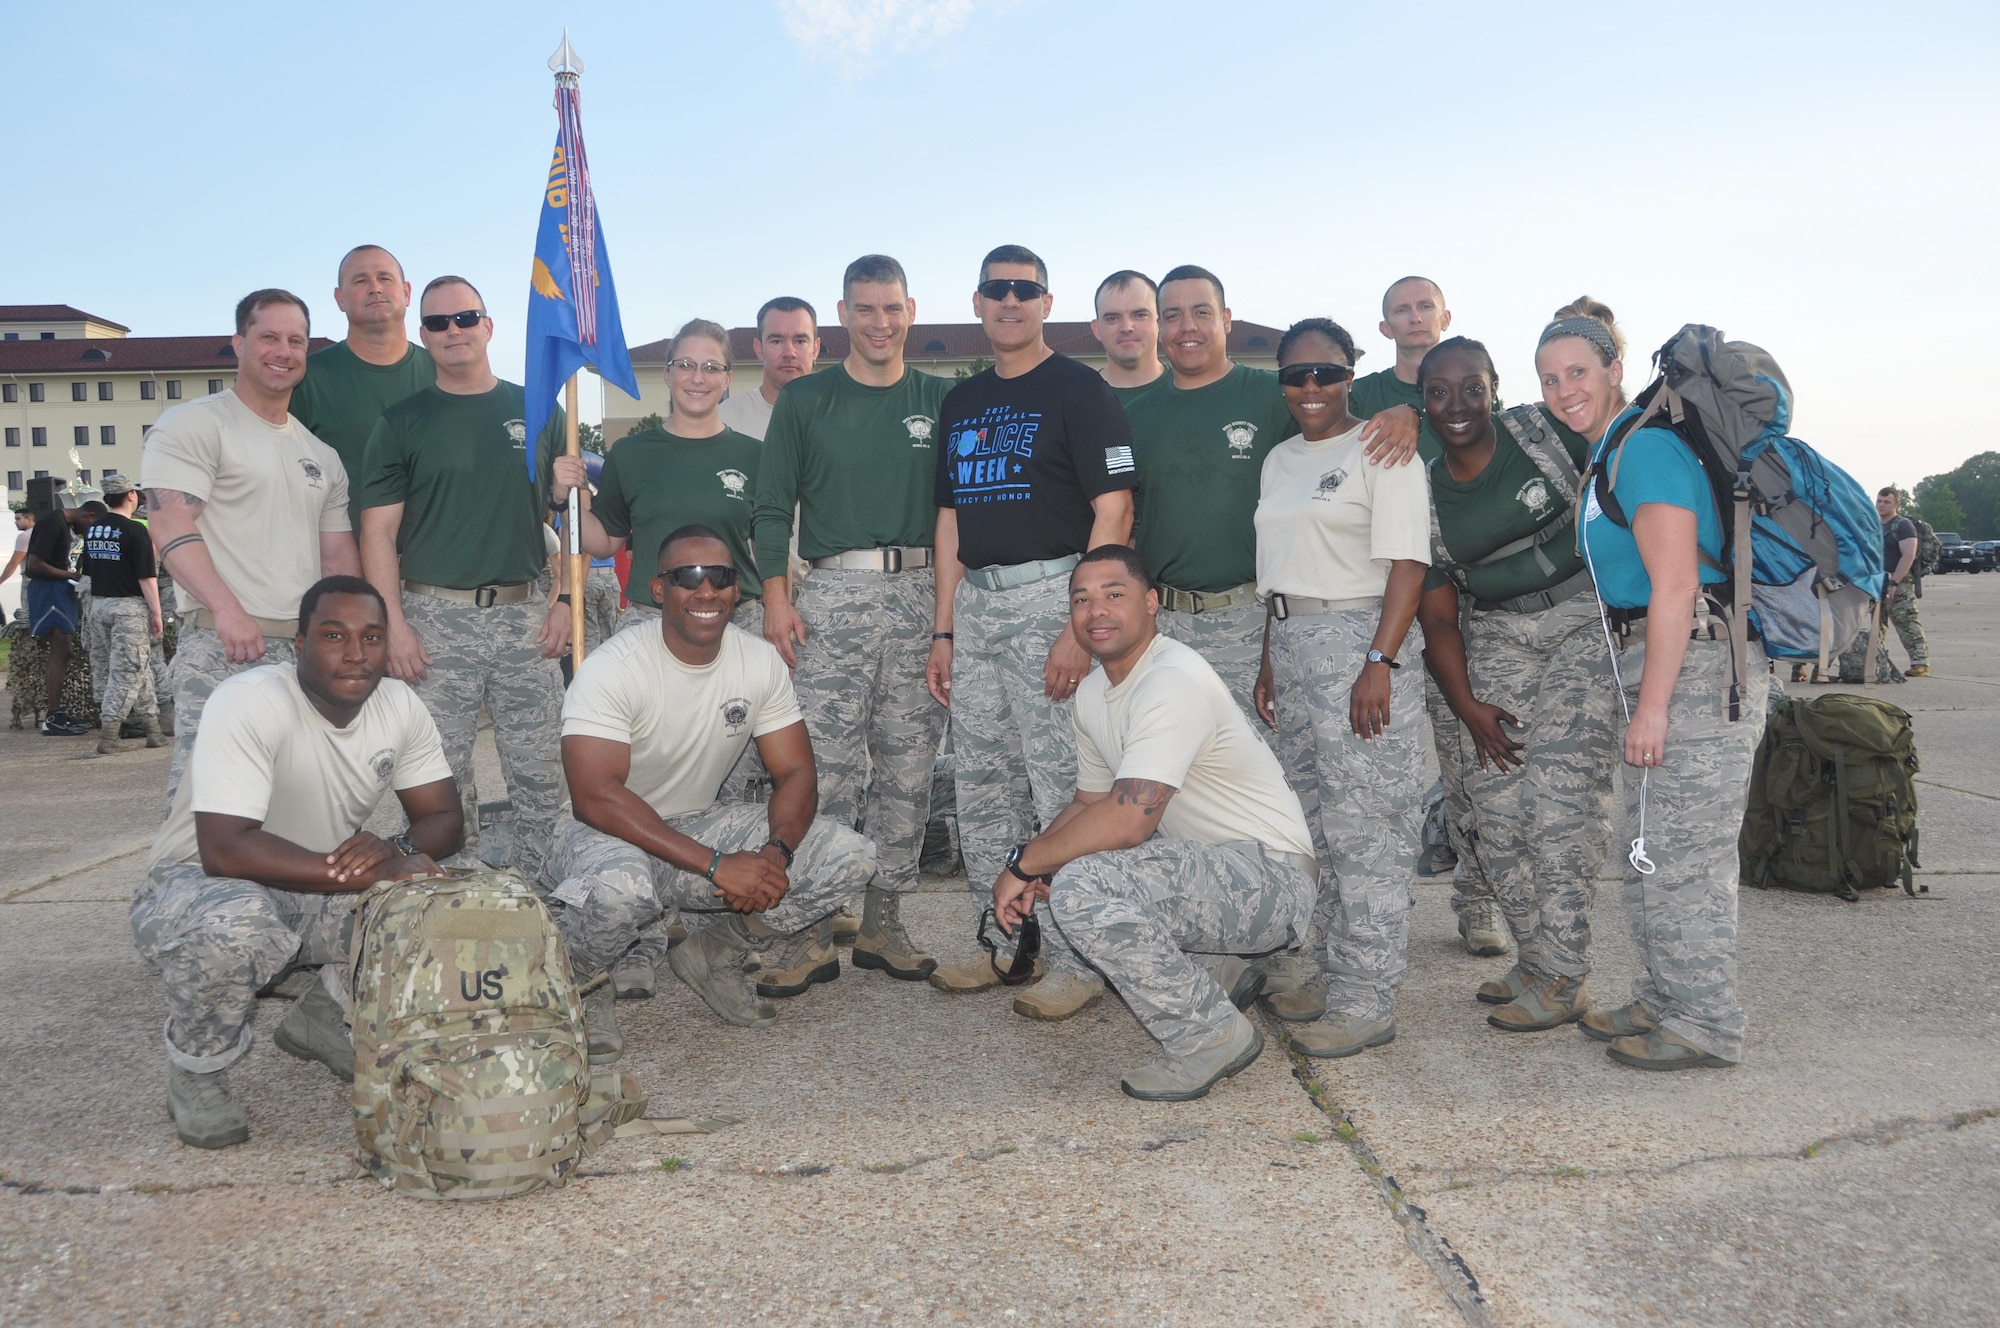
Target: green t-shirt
{"points": [[459, 466], [1201, 453], [1510, 500], [1374, 393], [655, 482], [859, 462], [1127, 395], [342, 395]]}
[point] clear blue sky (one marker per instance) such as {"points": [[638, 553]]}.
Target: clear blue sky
{"points": [[1820, 178]]}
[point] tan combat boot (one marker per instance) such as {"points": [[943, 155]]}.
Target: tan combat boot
{"points": [[1059, 996], [884, 945]]}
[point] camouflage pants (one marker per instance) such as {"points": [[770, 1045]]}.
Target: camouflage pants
{"points": [[119, 632], [1471, 891], [492, 656], [1013, 749], [1902, 616], [611, 890], [1542, 828], [600, 607], [1371, 795], [1232, 641], [200, 665], [1133, 913], [749, 780], [215, 940], [875, 729], [1684, 915]]}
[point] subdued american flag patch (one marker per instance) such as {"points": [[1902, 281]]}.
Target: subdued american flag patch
{"points": [[1118, 460]]}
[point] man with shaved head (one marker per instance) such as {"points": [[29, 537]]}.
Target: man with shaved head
{"points": [[350, 383], [1415, 317]]}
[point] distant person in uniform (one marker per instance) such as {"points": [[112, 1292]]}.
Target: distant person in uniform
{"points": [[1899, 599], [123, 619]]}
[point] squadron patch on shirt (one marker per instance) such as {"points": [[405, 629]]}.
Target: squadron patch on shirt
{"points": [[517, 433], [383, 763], [735, 484], [1534, 495], [1241, 436], [1329, 484], [921, 427], [736, 713], [315, 477]]}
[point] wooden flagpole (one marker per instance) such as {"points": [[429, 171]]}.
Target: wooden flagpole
{"points": [[573, 530]]}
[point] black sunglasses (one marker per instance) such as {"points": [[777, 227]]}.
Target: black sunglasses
{"points": [[1326, 375], [464, 318], [999, 288], [1027, 948], [720, 575]]}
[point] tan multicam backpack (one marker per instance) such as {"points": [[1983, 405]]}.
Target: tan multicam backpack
{"points": [[471, 1069]]}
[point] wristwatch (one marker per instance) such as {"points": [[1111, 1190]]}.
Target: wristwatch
{"points": [[1377, 657], [1014, 863], [405, 845]]}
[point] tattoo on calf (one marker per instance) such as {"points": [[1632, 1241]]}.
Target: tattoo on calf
{"points": [[1149, 796]]}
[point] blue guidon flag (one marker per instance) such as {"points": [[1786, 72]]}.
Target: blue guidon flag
{"points": [[572, 304]]}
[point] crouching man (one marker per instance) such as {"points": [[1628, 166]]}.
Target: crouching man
{"points": [[651, 727], [263, 852], [1183, 838]]}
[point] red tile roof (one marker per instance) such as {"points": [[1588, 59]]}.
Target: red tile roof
{"points": [[52, 313], [961, 341], [119, 354]]}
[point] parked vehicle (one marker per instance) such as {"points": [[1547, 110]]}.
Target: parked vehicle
{"points": [[1961, 555], [1989, 550]]}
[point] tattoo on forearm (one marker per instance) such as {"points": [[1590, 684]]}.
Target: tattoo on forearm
{"points": [[159, 498], [1145, 794]]}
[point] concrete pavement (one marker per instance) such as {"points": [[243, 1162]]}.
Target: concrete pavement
{"points": [[905, 1156]]}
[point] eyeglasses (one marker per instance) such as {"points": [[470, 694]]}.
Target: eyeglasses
{"points": [[720, 575], [464, 318], [1027, 948], [709, 367], [1326, 375], [1021, 289]]}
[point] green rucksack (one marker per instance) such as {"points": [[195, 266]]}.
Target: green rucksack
{"points": [[472, 1077], [1833, 799], [1929, 549]]}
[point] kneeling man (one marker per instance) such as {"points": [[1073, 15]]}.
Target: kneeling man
{"points": [[1183, 837], [653, 724], [263, 852]]}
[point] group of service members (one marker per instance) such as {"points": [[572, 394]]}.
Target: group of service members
{"points": [[1179, 611]]}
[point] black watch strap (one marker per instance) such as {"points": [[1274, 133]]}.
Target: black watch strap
{"points": [[1014, 863]]}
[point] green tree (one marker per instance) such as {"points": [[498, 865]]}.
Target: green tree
{"points": [[1937, 504], [590, 437], [652, 421], [978, 366]]}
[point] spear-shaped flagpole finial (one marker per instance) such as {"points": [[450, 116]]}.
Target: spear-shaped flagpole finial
{"points": [[566, 60]]}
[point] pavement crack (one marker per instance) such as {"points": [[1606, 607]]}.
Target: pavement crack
{"points": [[1454, 1276], [1877, 1136], [79, 870]]}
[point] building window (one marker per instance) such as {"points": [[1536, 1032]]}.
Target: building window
{"points": [[14, 480], [146, 389], [82, 435], [145, 430], [79, 391], [48, 336], [83, 477], [10, 392], [37, 391], [109, 472], [107, 435], [214, 386], [41, 474], [13, 437], [38, 436], [104, 392], [173, 389], [13, 336]]}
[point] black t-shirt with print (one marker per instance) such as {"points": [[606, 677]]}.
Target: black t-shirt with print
{"points": [[117, 556], [50, 541], [1023, 457], [1894, 532]]}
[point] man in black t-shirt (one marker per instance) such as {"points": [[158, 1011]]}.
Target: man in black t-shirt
{"points": [[123, 619], [49, 595], [1035, 469], [1899, 599]]}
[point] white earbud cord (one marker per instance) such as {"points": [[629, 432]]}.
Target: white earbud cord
{"points": [[1637, 857]]}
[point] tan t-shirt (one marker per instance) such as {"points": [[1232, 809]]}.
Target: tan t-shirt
{"points": [[747, 412], [686, 725], [1173, 721], [1329, 524], [271, 491], [263, 753]]}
